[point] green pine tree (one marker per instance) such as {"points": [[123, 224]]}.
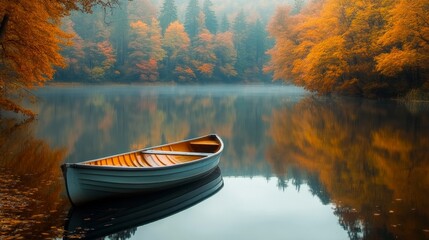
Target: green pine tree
{"points": [[167, 15], [224, 25], [192, 21], [239, 29], [210, 17]]}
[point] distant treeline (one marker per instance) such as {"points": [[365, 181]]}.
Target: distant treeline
{"points": [[139, 42]]}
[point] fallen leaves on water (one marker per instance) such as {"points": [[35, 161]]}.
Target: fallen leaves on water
{"points": [[38, 216], [19, 218]]}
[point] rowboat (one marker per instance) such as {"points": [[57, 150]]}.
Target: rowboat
{"points": [[146, 170], [122, 216]]}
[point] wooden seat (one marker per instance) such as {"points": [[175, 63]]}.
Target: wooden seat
{"points": [[204, 145], [205, 142]]}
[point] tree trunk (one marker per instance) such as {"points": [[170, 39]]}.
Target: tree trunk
{"points": [[3, 25]]}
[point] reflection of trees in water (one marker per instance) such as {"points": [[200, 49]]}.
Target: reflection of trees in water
{"points": [[30, 184], [369, 158], [123, 235], [100, 123], [317, 188]]}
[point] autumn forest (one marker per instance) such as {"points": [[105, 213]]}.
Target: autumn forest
{"points": [[365, 48], [139, 43], [362, 48], [322, 105]]}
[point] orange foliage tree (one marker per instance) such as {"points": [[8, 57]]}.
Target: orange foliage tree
{"points": [[30, 42], [376, 48], [226, 54], [203, 57], [99, 54], [176, 43], [73, 54], [146, 49], [407, 37]]}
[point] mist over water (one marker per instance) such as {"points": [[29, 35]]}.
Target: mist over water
{"points": [[351, 167]]}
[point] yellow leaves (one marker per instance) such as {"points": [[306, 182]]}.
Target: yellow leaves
{"points": [[206, 68], [300, 42], [148, 70], [185, 73], [203, 57], [282, 58], [176, 41], [30, 43], [32, 39], [279, 23], [349, 86], [408, 34], [8, 105], [360, 166], [32, 192], [147, 49], [205, 36], [105, 48], [324, 65], [392, 141], [409, 21], [394, 62], [157, 52], [224, 46], [344, 45], [140, 27], [31, 47]]}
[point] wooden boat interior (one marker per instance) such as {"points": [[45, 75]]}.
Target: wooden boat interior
{"points": [[167, 155]]}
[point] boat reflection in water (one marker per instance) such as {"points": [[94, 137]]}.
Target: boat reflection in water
{"points": [[123, 216]]}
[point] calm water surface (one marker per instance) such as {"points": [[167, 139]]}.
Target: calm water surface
{"points": [[294, 166]]}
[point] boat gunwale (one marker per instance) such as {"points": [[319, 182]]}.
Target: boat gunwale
{"points": [[83, 165]]}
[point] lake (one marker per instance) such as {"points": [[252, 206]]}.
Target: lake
{"points": [[295, 166]]}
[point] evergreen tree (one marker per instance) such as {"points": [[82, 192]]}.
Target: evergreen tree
{"points": [[255, 45], [225, 56], [210, 17], [167, 15], [258, 40], [239, 29], [192, 19], [120, 32], [224, 25]]}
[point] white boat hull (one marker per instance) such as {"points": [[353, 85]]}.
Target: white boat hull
{"points": [[99, 220], [87, 183]]}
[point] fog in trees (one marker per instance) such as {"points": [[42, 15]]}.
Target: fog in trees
{"points": [[119, 46]]}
